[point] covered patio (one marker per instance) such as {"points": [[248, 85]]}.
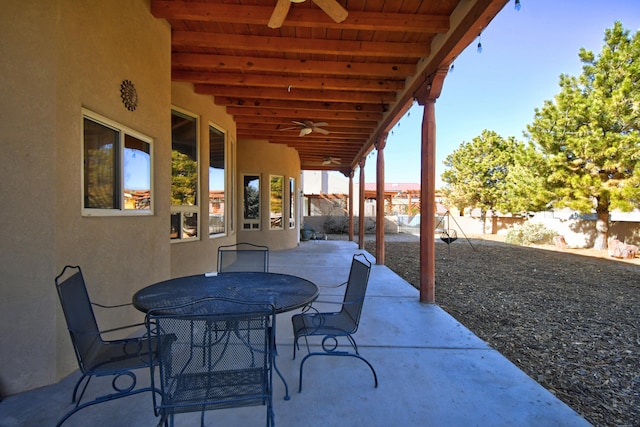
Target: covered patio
{"points": [[431, 369]]}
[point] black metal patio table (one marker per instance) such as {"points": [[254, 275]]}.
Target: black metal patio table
{"points": [[284, 291]]}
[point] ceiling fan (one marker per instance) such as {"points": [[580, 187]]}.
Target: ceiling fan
{"points": [[307, 126], [331, 161], [330, 7]]}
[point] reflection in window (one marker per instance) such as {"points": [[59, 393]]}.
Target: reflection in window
{"points": [[100, 166], [184, 176], [275, 203], [251, 211], [292, 202], [117, 168], [137, 174], [217, 181]]}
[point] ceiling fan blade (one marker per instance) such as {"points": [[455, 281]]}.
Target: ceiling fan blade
{"points": [[321, 124], [305, 131], [320, 130], [279, 13], [303, 124], [333, 9], [331, 160]]}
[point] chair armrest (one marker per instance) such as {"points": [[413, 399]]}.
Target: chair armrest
{"points": [[106, 331], [111, 306], [120, 328], [333, 286], [311, 307]]}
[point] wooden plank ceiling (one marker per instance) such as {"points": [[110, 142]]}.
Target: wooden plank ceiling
{"points": [[356, 77]]}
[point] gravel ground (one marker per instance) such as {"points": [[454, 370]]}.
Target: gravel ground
{"points": [[569, 319]]}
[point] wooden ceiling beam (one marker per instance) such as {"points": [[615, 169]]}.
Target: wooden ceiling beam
{"points": [[306, 105], [299, 17], [292, 137], [316, 148], [323, 152], [299, 95], [221, 63], [334, 123], [277, 127], [288, 82], [190, 39], [298, 114]]}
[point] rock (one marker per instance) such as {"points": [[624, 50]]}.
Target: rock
{"points": [[559, 242], [617, 249]]}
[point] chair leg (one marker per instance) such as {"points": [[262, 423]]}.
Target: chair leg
{"points": [[74, 397], [101, 399], [357, 356]]}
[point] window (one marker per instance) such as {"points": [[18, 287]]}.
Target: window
{"points": [[231, 198], [117, 168], [292, 202], [184, 176], [251, 203], [217, 181], [276, 186]]}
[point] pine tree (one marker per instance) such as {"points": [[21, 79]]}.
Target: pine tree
{"points": [[589, 134]]}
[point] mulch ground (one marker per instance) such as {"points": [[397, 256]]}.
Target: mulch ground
{"points": [[570, 321]]}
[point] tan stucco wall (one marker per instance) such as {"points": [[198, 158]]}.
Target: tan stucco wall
{"points": [[265, 159], [28, 129], [200, 256], [60, 56]]}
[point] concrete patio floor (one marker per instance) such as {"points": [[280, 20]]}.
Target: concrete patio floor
{"points": [[431, 369]]}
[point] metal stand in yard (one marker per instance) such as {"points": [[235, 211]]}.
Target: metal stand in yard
{"points": [[449, 235]]}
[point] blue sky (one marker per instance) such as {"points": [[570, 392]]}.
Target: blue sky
{"points": [[524, 52]]}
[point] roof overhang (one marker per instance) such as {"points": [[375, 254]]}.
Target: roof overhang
{"points": [[359, 76]]}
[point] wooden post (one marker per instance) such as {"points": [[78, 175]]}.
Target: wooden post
{"points": [[361, 207], [380, 199], [351, 231], [426, 96], [427, 207]]}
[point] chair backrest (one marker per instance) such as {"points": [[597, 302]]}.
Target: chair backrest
{"points": [[78, 312], [356, 288], [215, 353], [243, 257]]}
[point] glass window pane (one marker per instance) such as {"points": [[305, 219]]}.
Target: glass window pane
{"points": [[275, 203], [137, 174], [184, 159], [216, 181], [292, 202], [251, 197], [190, 225], [175, 225], [100, 166]]}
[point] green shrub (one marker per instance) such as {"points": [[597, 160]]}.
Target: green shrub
{"points": [[530, 233]]}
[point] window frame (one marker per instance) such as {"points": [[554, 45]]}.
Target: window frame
{"points": [[292, 202], [273, 218], [228, 201], [122, 131], [187, 211], [251, 224]]}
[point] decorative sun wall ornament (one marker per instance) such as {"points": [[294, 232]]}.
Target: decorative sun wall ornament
{"points": [[129, 95]]}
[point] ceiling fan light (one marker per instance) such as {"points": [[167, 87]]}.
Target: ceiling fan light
{"points": [[297, 1]]}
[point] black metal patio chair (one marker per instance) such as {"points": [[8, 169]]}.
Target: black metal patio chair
{"points": [[334, 326], [96, 356], [243, 257], [235, 370]]}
